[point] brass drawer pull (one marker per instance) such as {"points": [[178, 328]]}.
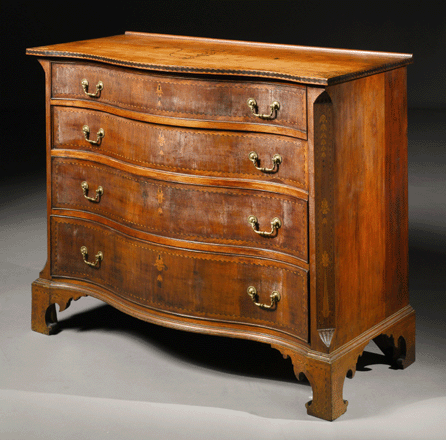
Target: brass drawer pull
{"points": [[275, 298], [99, 87], [99, 257], [99, 192], [252, 103], [100, 134], [276, 159], [275, 224]]}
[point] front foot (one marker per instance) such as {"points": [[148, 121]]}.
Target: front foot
{"points": [[327, 381], [326, 376], [43, 311]]}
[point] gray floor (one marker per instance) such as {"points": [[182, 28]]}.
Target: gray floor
{"points": [[106, 375]]}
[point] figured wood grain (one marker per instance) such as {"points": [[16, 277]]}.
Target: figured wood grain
{"points": [[176, 122], [194, 179], [365, 193], [213, 286], [188, 99], [359, 200], [239, 251], [224, 57], [198, 213], [324, 157], [63, 289], [396, 191], [46, 65], [313, 94], [183, 150]]}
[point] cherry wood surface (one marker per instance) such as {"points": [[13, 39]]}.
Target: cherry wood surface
{"points": [[306, 65], [190, 212], [370, 201], [211, 286], [184, 150], [172, 222], [211, 100]]}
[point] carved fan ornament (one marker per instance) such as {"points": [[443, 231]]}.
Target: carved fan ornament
{"points": [[326, 336]]}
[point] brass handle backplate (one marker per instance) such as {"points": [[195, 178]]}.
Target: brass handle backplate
{"points": [[99, 87], [99, 192], [100, 134], [252, 103], [275, 224], [276, 159], [275, 298], [98, 258]]}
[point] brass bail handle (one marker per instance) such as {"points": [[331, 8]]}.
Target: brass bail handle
{"points": [[252, 103], [275, 225], [275, 298], [98, 258], [276, 159], [99, 87], [99, 135], [99, 192]]}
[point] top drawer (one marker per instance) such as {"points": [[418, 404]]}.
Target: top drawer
{"points": [[189, 99]]}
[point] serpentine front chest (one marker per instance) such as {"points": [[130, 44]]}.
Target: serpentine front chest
{"points": [[238, 189]]}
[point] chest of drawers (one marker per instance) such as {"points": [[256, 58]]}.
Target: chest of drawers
{"points": [[238, 189]]}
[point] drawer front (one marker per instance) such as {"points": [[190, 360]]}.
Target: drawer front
{"points": [[188, 283], [186, 98], [204, 152], [191, 212]]}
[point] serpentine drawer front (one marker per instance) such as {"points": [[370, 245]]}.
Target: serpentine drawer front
{"points": [[184, 150], [237, 189], [175, 209], [162, 95], [128, 264]]}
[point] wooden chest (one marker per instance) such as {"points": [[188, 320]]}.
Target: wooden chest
{"points": [[239, 189]]}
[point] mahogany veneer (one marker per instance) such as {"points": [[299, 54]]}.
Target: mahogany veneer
{"points": [[176, 198]]}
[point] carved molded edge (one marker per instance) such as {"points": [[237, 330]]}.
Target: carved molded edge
{"points": [[252, 73]]}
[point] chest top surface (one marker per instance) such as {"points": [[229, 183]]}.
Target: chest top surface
{"points": [[308, 65]]}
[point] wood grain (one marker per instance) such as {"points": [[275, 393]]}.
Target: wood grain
{"points": [[169, 53], [184, 98], [324, 157], [212, 286], [359, 112], [189, 212], [396, 192], [371, 200], [183, 150]]}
